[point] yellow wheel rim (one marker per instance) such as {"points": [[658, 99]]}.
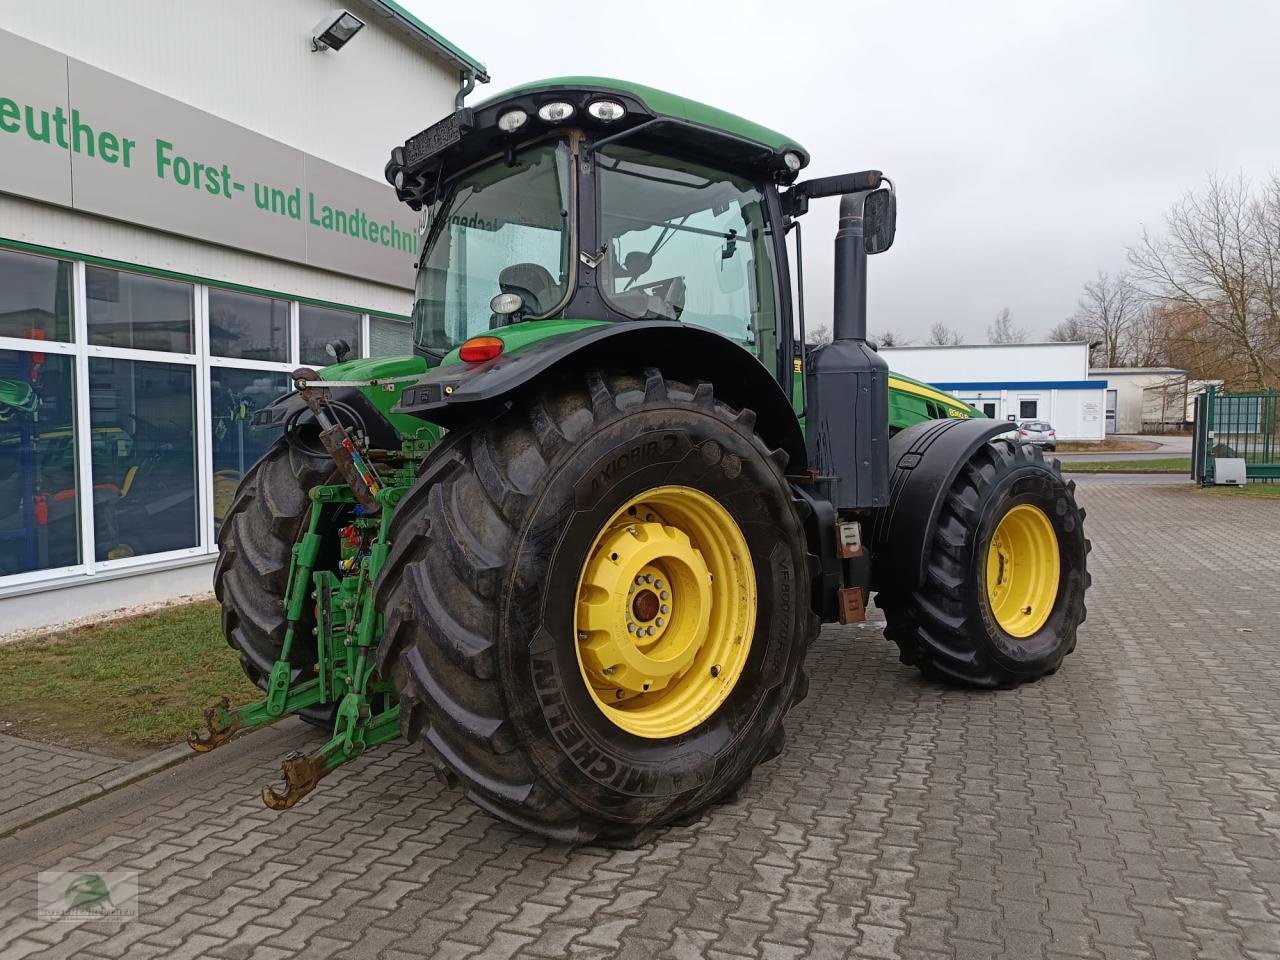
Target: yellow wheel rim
{"points": [[1023, 568], [666, 609]]}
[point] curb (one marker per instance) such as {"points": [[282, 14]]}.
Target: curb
{"points": [[79, 793], [1066, 468]]}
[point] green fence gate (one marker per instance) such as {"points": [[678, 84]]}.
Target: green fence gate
{"points": [[1243, 425]]}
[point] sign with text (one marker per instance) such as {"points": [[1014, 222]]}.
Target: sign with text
{"points": [[77, 136]]}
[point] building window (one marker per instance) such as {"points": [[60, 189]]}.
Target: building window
{"points": [[35, 297], [39, 524], [142, 418], [246, 327], [1028, 409], [390, 338], [234, 396], [138, 311], [318, 325], [989, 409]]}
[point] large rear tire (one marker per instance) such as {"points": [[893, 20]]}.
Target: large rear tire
{"points": [[269, 513], [512, 598], [1006, 575]]}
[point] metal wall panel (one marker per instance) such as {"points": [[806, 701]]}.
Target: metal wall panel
{"points": [[251, 63], [79, 233]]}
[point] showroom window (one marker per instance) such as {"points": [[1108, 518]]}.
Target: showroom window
{"points": [[390, 338], [319, 325], [39, 518], [35, 297], [142, 418], [137, 311], [246, 327], [126, 403], [234, 396]]}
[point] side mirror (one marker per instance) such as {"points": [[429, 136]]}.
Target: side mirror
{"points": [[879, 220]]}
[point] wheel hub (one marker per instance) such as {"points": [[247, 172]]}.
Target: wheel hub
{"points": [[665, 612], [1023, 571]]}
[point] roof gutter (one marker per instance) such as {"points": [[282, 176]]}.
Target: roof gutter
{"points": [[407, 23]]}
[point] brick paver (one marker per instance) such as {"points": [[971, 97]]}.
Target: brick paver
{"points": [[31, 771], [1128, 806]]}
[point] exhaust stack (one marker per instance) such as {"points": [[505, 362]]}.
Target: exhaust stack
{"points": [[847, 425]]}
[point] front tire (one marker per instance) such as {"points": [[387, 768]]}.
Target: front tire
{"points": [[1006, 575], [509, 579]]}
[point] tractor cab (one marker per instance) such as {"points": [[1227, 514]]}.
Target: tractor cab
{"points": [[598, 201]]}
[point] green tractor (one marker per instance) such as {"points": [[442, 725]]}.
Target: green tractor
{"points": [[578, 545]]}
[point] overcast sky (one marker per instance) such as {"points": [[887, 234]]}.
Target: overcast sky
{"points": [[1030, 140]]}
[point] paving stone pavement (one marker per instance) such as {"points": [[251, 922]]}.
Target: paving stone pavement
{"points": [[1128, 806], [33, 770]]}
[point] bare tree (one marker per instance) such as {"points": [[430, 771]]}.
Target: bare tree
{"points": [[1107, 313], [940, 335], [889, 339], [1068, 331], [1219, 266], [818, 336], [1004, 330]]}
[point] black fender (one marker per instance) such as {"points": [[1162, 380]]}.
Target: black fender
{"points": [[351, 407], [457, 394], [924, 460]]}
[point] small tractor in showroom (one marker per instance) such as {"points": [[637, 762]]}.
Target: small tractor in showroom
{"points": [[579, 543]]}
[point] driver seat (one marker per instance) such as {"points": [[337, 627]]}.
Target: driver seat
{"points": [[533, 282]]}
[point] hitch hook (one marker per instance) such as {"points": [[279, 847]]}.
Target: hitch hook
{"points": [[221, 724], [301, 774]]}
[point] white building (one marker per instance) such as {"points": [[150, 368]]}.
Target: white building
{"points": [[1147, 399], [191, 205], [1015, 381]]}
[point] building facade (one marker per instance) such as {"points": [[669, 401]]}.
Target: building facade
{"points": [[1015, 381], [191, 205], [1147, 399]]}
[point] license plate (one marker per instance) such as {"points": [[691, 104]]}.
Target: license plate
{"points": [[438, 137]]}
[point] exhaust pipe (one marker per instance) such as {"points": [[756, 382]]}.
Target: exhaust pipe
{"points": [[849, 321], [847, 425]]}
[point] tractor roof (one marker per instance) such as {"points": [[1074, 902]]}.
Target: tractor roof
{"points": [[650, 119], [661, 103]]}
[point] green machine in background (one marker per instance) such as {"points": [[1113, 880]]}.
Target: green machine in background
{"points": [[578, 544]]}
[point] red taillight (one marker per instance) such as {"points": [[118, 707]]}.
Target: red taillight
{"points": [[1023, 433], [480, 349]]}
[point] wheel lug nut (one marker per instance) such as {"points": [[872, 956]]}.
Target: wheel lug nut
{"points": [[660, 622], [659, 584], [631, 628], [582, 634], [648, 578], [618, 694], [665, 595], [639, 580], [608, 671], [715, 670], [665, 608], [633, 531]]}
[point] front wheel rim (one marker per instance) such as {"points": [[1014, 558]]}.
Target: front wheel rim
{"points": [[665, 612], [1023, 570]]}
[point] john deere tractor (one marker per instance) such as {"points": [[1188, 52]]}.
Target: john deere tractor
{"points": [[578, 545]]}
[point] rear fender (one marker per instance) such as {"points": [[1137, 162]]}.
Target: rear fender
{"points": [[356, 411], [457, 394], [924, 460]]}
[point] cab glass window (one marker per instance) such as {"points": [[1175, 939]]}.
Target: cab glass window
{"points": [[683, 241]]}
